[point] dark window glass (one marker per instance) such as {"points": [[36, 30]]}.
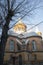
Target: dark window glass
{"points": [[33, 45], [11, 45], [18, 46]]}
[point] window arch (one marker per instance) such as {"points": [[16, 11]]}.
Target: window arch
{"points": [[33, 45], [11, 45]]}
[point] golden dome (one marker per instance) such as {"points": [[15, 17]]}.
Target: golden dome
{"points": [[19, 27], [39, 33]]}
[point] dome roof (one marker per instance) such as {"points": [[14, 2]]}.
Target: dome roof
{"points": [[31, 34], [38, 32], [20, 23], [25, 35], [19, 27], [19, 30]]}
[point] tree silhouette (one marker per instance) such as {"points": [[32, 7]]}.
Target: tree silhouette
{"points": [[16, 9]]}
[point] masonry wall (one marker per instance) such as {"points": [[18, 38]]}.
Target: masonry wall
{"points": [[25, 51]]}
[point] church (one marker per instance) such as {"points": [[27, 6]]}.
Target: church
{"points": [[23, 47]]}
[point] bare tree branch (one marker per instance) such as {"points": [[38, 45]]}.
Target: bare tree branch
{"points": [[12, 3], [2, 6], [8, 2], [19, 5]]}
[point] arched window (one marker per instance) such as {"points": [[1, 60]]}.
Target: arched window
{"points": [[11, 45], [33, 45]]}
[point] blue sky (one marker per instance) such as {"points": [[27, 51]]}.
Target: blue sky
{"points": [[36, 17]]}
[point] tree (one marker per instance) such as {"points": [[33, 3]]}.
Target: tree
{"points": [[8, 9]]}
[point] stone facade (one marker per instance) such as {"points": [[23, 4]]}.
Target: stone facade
{"points": [[26, 49]]}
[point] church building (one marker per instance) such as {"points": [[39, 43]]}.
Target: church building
{"points": [[23, 47]]}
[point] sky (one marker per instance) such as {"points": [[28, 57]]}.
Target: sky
{"points": [[36, 17]]}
